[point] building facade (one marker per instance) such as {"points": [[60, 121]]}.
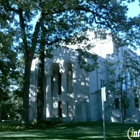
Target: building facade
{"points": [[72, 94]]}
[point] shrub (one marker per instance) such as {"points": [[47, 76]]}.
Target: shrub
{"points": [[12, 128], [33, 125], [42, 124]]}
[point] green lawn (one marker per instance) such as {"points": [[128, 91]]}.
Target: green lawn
{"points": [[114, 131]]}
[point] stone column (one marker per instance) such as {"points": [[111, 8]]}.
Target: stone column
{"points": [[49, 107], [64, 94], [33, 91], [74, 88]]}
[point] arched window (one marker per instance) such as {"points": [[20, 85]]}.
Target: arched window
{"points": [[55, 80]]}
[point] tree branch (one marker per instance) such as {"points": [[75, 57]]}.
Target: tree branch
{"points": [[55, 41], [7, 6], [22, 25], [35, 34]]}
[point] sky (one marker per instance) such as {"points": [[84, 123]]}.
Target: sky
{"points": [[134, 10]]}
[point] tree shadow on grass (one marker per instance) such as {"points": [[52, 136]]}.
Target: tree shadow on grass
{"points": [[71, 131]]}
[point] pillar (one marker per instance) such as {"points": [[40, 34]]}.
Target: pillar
{"points": [[33, 91], [64, 95], [73, 92], [49, 107]]}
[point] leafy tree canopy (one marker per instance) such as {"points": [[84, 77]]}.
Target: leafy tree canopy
{"points": [[63, 21]]}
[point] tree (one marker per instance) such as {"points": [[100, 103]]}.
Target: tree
{"points": [[9, 70], [63, 21], [123, 76], [41, 74], [8, 73]]}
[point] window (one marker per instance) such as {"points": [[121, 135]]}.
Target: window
{"points": [[124, 82], [134, 82], [52, 85], [59, 83], [116, 103], [55, 80], [67, 109], [60, 109], [69, 77], [128, 78], [136, 102], [102, 82]]}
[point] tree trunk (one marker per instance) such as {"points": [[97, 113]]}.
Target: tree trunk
{"points": [[26, 87], [0, 112], [41, 75], [122, 104], [40, 93]]}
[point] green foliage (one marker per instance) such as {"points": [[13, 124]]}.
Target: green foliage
{"points": [[18, 126], [10, 109], [124, 73], [9, 75], [43, 124], [12, 126], [64, 22], [129, 69], [87, 61], [83, 130]]}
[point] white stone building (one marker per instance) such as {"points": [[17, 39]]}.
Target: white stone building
{"points": [[70, 92]]}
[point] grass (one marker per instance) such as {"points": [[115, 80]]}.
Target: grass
{"points": [[86, 130]]}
